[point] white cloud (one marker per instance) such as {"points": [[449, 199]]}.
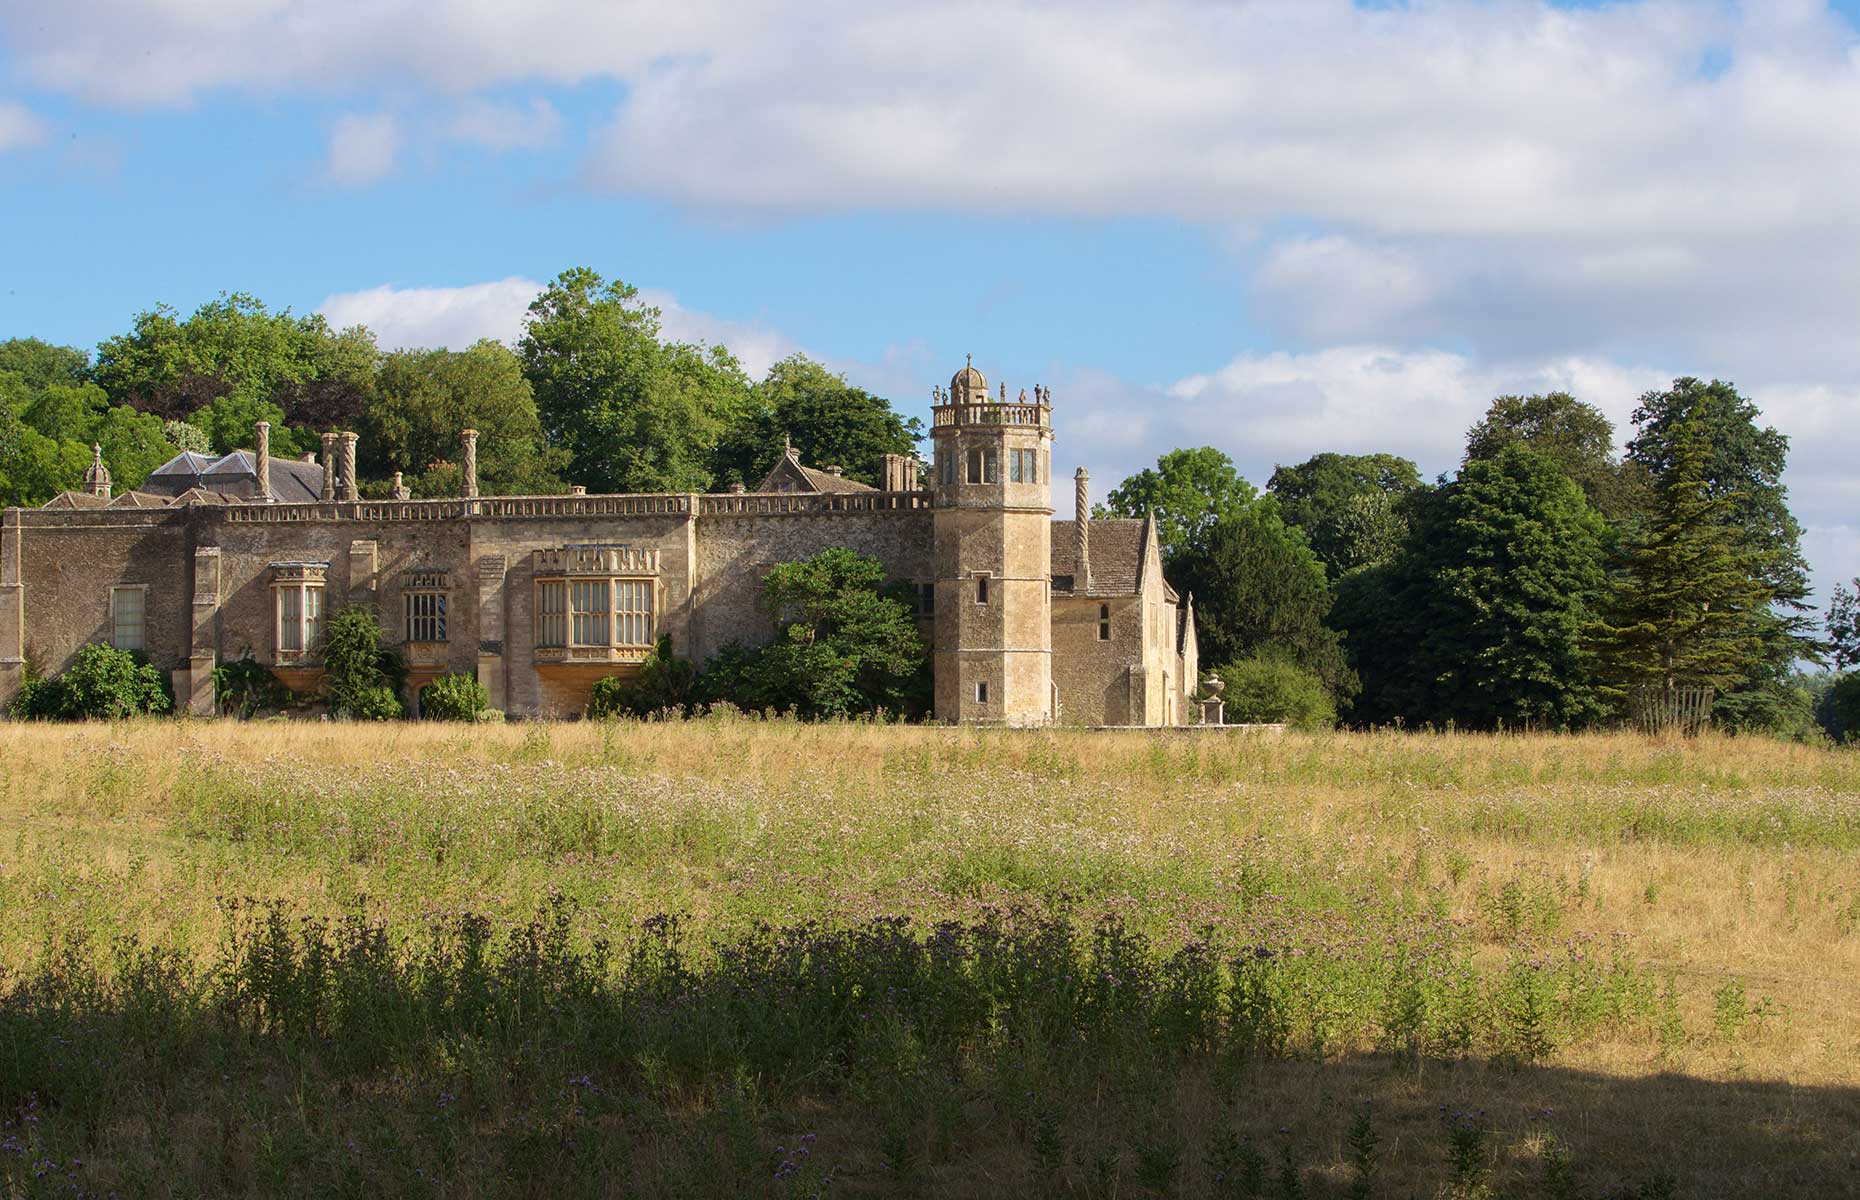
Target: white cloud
{"points": [[430, 317], [362, 149], [499, 126], [19, 126], [455, 317]]}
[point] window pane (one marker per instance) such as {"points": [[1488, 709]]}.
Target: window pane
{"points": [[313, 617], [290, 619], [126, 618], [991, 467], [975, 466], [588, 600], [552, 600]]}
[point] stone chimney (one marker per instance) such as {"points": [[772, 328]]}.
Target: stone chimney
{"points": [[349, 492], [329, 468], [468, 485], [836, 470], [577, 490], [261, 455], [1081, 497], [900, 473], [401, 490]]}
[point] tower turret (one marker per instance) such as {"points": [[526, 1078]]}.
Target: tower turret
{"points": [[993, 643]]}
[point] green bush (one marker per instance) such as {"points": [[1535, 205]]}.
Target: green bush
{"points": [[40, 699], [245, 687], [104, 683], [454, 698], [361, 677], [373, 704], [1839, 708], [1268, 689], [664, 683]]}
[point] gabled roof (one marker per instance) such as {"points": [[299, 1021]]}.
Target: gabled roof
{"points": [[1116, 556], [798, 478], [186, 464], [198, 495], [294, 481], [75, 500], [135, 499]]}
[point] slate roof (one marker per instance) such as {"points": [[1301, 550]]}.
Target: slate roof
{"points": [[1116, 556], [139, 499], [803, 479], [235, 477], [75, 500]]}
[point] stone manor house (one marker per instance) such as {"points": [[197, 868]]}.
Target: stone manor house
{"points": [[1029, 620]]}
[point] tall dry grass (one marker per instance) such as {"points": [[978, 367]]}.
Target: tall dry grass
{"points": [[1722, 872]]}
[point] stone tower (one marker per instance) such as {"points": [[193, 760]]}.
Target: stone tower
{"points": [[993, 554]]}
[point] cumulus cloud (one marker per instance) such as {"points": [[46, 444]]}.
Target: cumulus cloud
{"points": [[362, 149], [432, 317], [499, 126], [19, 126]]}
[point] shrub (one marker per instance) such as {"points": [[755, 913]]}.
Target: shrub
{"points": [[1839, 708], [454, 698], [361, 677], [1270, 689], [245, 687], [40, 699], [664, 682], [108, 684]]}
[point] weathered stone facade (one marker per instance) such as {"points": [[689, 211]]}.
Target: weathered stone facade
{"points": [[541, 595]]}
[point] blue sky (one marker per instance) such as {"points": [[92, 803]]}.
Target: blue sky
{"points": [[1278, 227]]}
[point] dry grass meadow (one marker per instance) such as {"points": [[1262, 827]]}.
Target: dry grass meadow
{"points": [[328, 959]]}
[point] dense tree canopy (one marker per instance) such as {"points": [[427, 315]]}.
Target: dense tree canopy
{"points": [[1258, 587], [634, 414], [235, 362], [423, 398], [1690, 606], [829, 421], [1348, 505], [1190, 491], [1578, 437]]}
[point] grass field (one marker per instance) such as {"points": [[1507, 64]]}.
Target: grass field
{"points": [[745, 958]]}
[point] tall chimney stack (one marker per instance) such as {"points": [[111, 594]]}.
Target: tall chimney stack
{"points": [[468, 486], [1081, 496], [329, 468], [349, 492], [261, 452]]}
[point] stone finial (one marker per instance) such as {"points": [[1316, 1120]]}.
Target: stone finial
{"points": [[1023, 396], [577, 490], [328, 494], [97, 477], [401, 490], [261, 455], [737, 488], [349, 492], [1081, 498], [1004, 391], [468, 485]]}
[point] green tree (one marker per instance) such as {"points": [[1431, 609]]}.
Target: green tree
{"points": [[634, 415], [234, 362], [361, 676], [423, 398], [1741, 464], [831, 423], [1578, 437], [1690, 605], [1259, 588], [1190, 491], [1511, 566], [37, 365], [1333, 499], [1844, 626], [846, 644]]}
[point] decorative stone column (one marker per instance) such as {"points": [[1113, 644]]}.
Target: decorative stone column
{"points": [[349, 492], [261, 452], [329, 468], [468, 486], [12, 607], [203, 640], [1081, 499]]}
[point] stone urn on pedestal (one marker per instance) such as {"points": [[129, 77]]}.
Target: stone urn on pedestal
{"points": [[1213, 708]]}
